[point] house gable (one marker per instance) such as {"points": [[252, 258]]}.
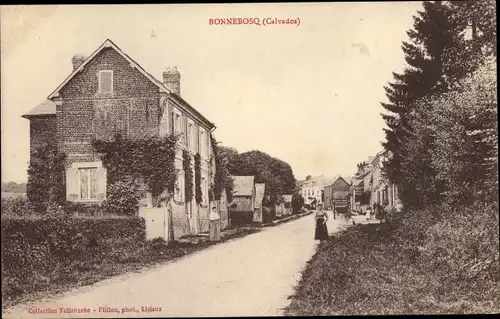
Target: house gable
{"points": [[108, 44], [340, 185], [126, 81]]}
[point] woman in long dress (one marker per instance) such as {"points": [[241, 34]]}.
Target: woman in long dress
{"points": [[321, 229], [214, 225]]}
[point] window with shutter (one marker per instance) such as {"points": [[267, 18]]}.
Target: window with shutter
{"points": [[106, 81], [86, 181]]}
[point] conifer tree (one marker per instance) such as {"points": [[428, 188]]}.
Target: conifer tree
{"points": [[433, 33]]}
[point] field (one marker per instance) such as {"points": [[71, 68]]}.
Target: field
{"points": [[13, 195]]}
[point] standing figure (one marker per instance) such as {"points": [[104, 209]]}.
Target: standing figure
{"points": [[165, 200], [321, 229], [214, 225]]}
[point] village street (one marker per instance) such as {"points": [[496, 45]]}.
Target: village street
{"points": [[249, 276]]}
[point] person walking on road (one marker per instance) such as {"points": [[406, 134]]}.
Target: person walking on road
{"points": [[321, 233]]}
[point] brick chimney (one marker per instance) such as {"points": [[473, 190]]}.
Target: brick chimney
{"points": [[172, 79], [77, 60]]}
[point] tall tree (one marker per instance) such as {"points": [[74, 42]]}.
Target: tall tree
{"points": [[275, 173], [433, 33], [475, 21]]}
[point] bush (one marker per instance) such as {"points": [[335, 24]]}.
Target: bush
{"points": [[463, 250], [46, 177], [123, 198], [71, 208], [38, 252], [17, 206], [241, 218]]}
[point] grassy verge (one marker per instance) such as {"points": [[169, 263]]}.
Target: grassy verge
{"points": [[418, 264], [150, 254]]}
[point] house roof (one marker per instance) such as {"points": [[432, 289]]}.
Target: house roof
{"points": [[46, 108], [287, 198], [162, 88], [243, 185], [357, 182], [337, 182]]}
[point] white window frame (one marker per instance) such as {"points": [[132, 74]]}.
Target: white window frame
{"points": [[83, 165], [112, 81]]}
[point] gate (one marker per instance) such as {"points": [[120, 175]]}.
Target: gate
{"points": [[156, 222]]}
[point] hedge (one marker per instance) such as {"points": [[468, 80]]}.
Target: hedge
{"points": [[38, 252], [241, 217]]}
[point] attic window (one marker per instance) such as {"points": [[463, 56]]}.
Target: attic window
{"points": [[106, 81]]}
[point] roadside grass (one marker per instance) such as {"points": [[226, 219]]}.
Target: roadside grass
{"points": [[85, 273], [405, 267]]}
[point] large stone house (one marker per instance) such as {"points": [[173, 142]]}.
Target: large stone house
{"points": [[108, 93], [312, 189]]}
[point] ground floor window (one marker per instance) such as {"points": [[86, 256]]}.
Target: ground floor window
{"points": [[86, 181]]}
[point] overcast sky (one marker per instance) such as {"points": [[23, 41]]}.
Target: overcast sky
{"points": [[307, 94]]}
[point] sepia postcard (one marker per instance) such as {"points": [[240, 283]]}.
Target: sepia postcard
{"points": [[249, 159]]}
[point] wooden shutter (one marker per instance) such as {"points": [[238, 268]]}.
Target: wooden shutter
{"points": [[184, 128], [106, 81], [207, 144], [171, 119], [72, 181], [197, 138], [101, 183]]}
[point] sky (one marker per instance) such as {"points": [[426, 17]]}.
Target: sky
{"points": [[308, 94]]}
